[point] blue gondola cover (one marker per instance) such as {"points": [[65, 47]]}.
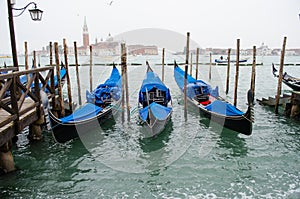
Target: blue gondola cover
{"points": [[152, 81], [111, 88], [160, 112], [223, 108], [194, 87], [87, 111]]}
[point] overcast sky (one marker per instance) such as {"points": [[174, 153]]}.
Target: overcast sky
{"points": [[212, 23]]}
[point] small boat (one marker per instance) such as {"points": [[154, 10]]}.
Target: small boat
{"points": [[290, 81], [212, 106], [271, 101], [98, 108], [225, 61], [154, 104]]}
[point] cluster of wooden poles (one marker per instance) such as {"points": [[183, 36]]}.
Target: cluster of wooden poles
{"points": [[125, 76], [125, 93], [253, 73]]}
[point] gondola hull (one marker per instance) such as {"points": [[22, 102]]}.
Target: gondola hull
{"points": [[155, 126], [241, 124], [154, 97], [102, 103], [212, 106], [64, 132], [295, 87], [290, 81]]}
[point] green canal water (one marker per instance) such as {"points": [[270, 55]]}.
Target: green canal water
{"points": [[190, 159]]}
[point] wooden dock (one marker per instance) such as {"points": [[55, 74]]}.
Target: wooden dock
{"points": [[9, 128], [21, 106]]}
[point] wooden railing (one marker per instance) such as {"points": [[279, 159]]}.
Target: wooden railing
{"points": [[13, 93]]}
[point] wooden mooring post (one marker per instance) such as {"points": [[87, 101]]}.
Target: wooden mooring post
{"points": [[197, 63], [280, 76], [91, 68], [236, 72], [26, 58], [61, 108], [35, 130], [68, 76], [77, 74], [34, 59], [294, 105], [50, 55], [253, 74], [191, 65], [163, 66], [124, 82], [6, 159], [228, 71], [210, 63], [186, 73]]}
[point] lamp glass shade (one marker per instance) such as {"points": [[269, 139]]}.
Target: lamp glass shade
{"points": [[36, 14]]}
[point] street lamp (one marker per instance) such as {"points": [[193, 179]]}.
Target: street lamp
{"points": [[36, 15]]}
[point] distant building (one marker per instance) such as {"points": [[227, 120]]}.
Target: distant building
{"points": [[43, 52], [109, 47], [142, 50], [276, 51], [264, 50], [216, 51], [86, 39]]}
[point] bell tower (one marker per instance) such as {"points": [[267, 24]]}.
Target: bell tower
{"points": [[85, 34]]}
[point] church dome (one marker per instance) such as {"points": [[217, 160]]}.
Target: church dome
{"points": [[109, 38]]}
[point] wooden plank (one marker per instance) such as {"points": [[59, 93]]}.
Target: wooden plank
{"points": [[4, 120], [28, 106], [6, 117], [28, 118], [6, 108], [7, 133]]}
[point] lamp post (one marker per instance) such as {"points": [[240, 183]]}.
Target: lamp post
{"points": [[36, 15]]}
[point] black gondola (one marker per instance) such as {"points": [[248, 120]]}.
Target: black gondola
{"points": [[290, 81], [155, 101], [212, 106], [98, 108]]}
